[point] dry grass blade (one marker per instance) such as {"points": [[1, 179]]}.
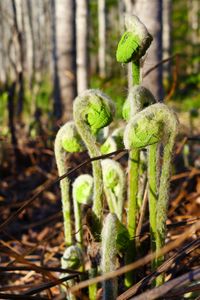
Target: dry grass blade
{"points": [[20, 259], [46, 285], [30, 268], [183, 190], [193, 172], [43, 222], [15, 288], [142, 214], [181, 145], [21, 297], [163, 268], [141, 262], [183, 223], [163, 289], [49, 183], [30, 250], [182, 291]]}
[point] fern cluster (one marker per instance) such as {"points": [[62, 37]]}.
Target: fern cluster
{"points": [[108, 191]]}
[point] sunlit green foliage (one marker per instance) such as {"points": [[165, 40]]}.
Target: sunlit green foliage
{"points": [[3, 108]]}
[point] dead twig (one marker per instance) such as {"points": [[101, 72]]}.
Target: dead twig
{"points": [[159, 63]]}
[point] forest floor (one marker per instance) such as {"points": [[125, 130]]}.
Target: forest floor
{"points": [[31, 229]]}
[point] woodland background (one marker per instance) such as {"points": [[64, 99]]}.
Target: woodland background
{"points": [[52, 50]]}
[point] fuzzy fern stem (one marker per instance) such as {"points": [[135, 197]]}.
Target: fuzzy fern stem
{"points": [[133, 173], [115, 238], [153, 194], [64, 186], [162, 205], [136, 72], [109, 256], [134, 161]]}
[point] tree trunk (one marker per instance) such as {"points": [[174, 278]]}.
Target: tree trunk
{"points": [[194, 34], [18, 22], [81, 45], [102, 37], [167, 43], [46, 54], [129, 5], [64, 58], [150, 13], [57, 104], [3, 38], [30, 42], [121, 9], [11, 124]]}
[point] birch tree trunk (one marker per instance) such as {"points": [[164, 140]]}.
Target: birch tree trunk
{"points": [[9, 43], [3, 45], [57, 103], [30, 41], [166, 38], [81, 45], [64, 56], [19, 26], [121, 9], [194, 33], [150, 13], [102, 37], [46, 53], [129, 5]]}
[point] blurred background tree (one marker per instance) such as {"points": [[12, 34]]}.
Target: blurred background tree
{"points": [[150, 13], [64, 55], [51, 50]]}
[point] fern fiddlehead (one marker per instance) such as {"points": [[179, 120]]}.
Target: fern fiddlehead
{"points": [[67, 141], [93, 110], [114, 186], [82, 194], [132, 46], [155, 124]]}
